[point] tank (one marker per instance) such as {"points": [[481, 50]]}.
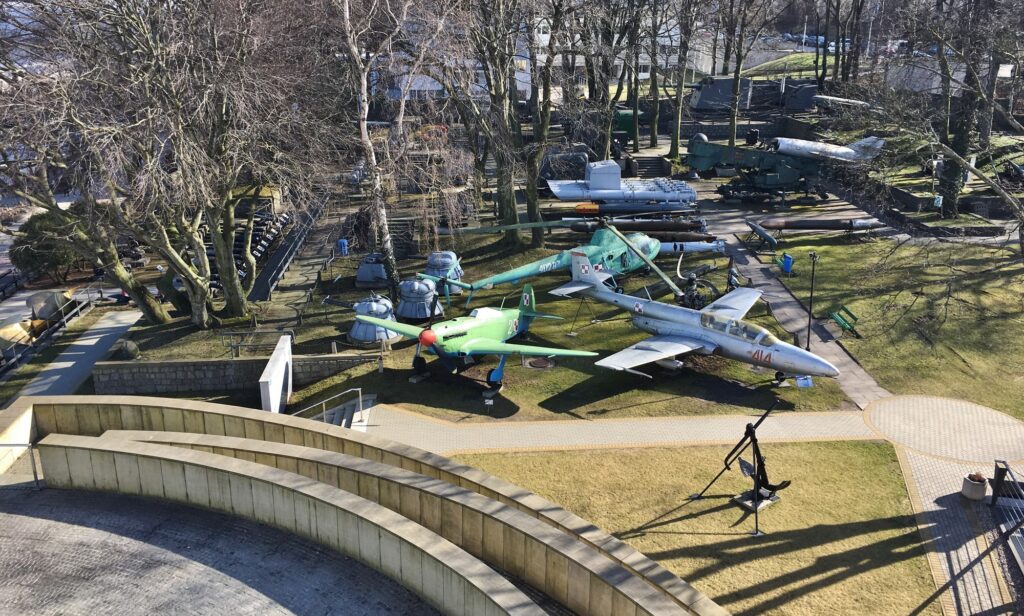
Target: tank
{"points": [[371, 273], [445, 264], [368, 333], [415, 300]]}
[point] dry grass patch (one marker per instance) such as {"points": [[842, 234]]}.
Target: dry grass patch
{"points": [[842, 540]]}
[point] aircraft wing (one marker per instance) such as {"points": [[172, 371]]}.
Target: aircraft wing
{"points": [[649, 350], [409, 331], [734, 305], [483, 346]]}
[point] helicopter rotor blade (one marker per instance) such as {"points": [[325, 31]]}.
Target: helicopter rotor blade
{"points": [[643, 257], [544, 224]]}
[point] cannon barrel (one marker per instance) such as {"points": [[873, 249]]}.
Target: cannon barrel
{"points": [[589, 226], [683, 236], [820, 224]]}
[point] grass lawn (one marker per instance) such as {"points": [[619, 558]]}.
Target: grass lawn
{"points": [[575, 388], [842, 540], [935, 219], [797, 62], [21, 376], [941, 319]]}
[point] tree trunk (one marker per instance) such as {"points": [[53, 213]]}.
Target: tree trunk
{"points": [[247, 257], [151, 308], [824, 46], [101, 251], [223, 239], [165, 284], [988, 101], [655, 94], [506, 197], [734, 99], [677, 121]]}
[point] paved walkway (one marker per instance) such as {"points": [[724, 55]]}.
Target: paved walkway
{"points": [[291, 292], [448, 438], [80, 552], [855, 382], [939, 441], [71, 368]]}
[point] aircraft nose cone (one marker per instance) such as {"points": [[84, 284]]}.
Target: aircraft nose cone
{"points": [[824, 367], [428, 337]]}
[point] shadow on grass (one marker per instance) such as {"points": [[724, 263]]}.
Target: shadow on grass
{"points": [[461, 392], [831, 565]]}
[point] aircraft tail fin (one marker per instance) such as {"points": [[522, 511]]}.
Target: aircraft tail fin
{"points": [[868, 148], [583, 276], [528, 301], [583, 270]]}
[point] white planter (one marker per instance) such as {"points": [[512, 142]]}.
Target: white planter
{"points": [[974, 490]]}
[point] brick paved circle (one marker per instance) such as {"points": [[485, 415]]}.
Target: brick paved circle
{"points": [[948, 428], [69, 552]]}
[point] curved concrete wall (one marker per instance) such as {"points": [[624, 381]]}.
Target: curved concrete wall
{"points": [[93, 415], [443, 574], [563, 568]]}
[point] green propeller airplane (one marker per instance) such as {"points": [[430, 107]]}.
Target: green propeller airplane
{"points": [[607, 250], [483, 332]]}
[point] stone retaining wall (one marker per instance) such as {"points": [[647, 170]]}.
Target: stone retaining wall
{"points": [[210, 375]]}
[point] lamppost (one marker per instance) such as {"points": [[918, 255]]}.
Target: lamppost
{"points": [[810, 307]]}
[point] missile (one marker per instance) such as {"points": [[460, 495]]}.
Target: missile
{"points": [[820, 224], [688, 247], [762, 233]]}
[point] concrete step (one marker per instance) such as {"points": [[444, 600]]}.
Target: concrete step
{"points": [[649, 166], [337, 414]]}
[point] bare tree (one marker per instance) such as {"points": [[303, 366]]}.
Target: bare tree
{"points": [[746, 20], [151, 114]]}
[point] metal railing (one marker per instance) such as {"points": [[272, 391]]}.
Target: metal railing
{"points": [[302, 230], [322, 405], [236, 341], [1008, 495], [12, 356]]}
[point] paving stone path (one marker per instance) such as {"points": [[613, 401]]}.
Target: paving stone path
{"points": [[76, 552], [65, 374]]}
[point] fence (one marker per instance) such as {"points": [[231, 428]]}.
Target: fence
{"points": [[1008, 507], [23, 348], [268, 279]]}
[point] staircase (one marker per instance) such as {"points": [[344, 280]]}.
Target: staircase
{"points": [[650, 166]]}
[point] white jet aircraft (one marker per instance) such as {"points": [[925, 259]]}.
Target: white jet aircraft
{"points": [[718, 329]]}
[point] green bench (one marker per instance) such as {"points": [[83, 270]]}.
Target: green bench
{"points": [[846, 320]]}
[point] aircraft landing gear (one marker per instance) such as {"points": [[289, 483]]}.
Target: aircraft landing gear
{"points": [[419, 364], [494, 378], [780, 377]]}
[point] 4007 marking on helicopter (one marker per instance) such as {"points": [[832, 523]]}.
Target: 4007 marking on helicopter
{"points": [[609, 250]]}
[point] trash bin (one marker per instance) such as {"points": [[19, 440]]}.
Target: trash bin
{"points": [[343, 247], [787, 263]]}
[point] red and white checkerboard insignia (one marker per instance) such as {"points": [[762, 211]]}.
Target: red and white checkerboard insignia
{"points": [[526, 299], [584, 269], [638, 308], [598, 267]]}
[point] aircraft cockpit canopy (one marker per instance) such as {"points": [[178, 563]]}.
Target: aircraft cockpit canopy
{"points": [[738, 329]]}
